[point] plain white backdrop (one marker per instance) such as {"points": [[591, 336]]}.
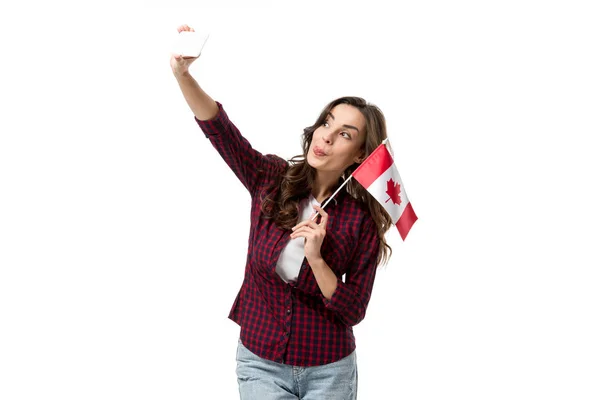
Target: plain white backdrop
{"points": [[123, 235]]}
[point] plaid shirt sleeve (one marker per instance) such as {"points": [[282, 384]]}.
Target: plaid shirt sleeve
{"points": [[248, 164], [350, 299]]}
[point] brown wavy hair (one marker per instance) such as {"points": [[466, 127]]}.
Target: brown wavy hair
{"points": [[281, 202]]}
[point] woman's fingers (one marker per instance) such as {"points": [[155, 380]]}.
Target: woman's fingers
{"points": [[184, 27], [308, 222], [303, 232], [309, 234], [324, 216]]}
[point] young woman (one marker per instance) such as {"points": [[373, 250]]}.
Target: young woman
{"points": [[307, 280]]}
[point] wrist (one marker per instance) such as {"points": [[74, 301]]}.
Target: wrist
{"points": [[182, 75], [316, 261]]}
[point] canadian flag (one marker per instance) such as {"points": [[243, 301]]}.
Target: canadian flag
{"points": [[379, 176]]}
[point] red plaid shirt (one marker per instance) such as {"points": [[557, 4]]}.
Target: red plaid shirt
{"points": [[294, 323]]}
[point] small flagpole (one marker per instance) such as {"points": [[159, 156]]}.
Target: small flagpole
{"points": [[331, 198], [388, 146]]}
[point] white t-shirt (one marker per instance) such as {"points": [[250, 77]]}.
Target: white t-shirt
{"points": [[290, 259]]}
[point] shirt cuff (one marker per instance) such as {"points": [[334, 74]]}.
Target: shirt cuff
{"points": [[340, 297]]}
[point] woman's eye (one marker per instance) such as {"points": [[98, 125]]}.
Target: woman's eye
{"points": [[326, 124], [347, 135]]}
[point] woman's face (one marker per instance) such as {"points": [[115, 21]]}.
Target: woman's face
{"points": [[338, 143]]}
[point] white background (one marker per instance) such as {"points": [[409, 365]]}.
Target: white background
{"points": [[123, 235]]}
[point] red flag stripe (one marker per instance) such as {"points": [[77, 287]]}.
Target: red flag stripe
{"points": [[406, 221], [376, 164]]}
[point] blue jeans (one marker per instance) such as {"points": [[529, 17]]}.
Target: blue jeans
{"points": [[261, 379]]}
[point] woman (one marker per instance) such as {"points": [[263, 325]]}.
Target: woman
{"points": [[295, 308]]}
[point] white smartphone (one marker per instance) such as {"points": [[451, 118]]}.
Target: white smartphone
{"points": [[190, 44]]}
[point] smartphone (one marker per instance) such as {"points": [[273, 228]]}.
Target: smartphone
{"points": [[190, 44]]}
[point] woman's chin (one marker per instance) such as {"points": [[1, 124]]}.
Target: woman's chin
{"points": [[312, 161]]}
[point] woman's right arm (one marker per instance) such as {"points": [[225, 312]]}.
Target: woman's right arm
{"points": [[248, 164], [201, 104]]}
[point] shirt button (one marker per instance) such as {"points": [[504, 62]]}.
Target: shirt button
{"points": [[289, 311]]}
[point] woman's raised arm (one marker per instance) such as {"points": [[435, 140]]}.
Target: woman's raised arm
{"points": [[201, 104]]}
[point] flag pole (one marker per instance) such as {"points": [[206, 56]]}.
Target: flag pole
{"points": [[387, 144], [331, 197]]}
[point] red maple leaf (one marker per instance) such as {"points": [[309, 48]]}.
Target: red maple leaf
{"points": [[393, 190]]}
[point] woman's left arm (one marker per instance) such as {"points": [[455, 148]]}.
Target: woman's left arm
{"points": [[347, 299]]}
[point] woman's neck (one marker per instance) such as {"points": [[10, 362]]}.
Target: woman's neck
{"points": [[324, 186]]}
